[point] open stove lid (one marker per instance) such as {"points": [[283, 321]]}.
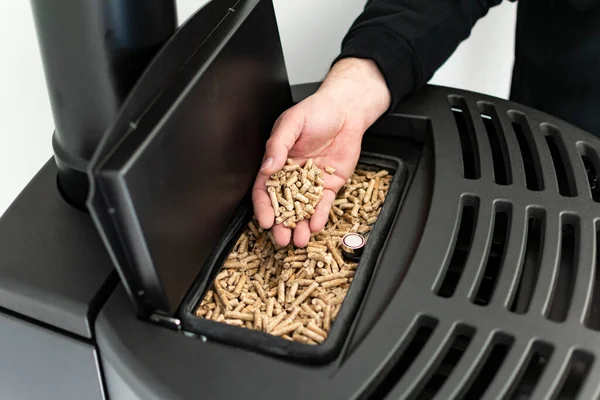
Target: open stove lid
{"points": [[185, 149]]}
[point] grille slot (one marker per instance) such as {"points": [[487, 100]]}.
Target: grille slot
{"points": [[531, 158], [489, 366], [564, 171], [462, 247], [468, 139], [463, 334], [576, 372], [564, 281], [496, 254], [592, 318], [529, 376], [532, 258], [404, 358], [591, 164], [500, 159]]}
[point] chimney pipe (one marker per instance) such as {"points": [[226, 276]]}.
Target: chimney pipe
{"points": [[93, 51]]}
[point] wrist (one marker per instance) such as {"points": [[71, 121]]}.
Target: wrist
{"points": [[359, 87]]}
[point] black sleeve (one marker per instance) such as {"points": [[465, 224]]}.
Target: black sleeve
{"points": [[410, 39]]}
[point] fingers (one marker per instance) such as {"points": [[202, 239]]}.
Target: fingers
{"points": [[263, 209], [302, 234], [286, 132], [321, 215], [282, 235], [332, 185]]}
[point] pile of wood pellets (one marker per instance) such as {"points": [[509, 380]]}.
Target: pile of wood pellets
{"points": [[296, 293], [295, 191]]}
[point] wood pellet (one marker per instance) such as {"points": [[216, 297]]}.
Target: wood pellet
{"points": [[295, 191], [295, 293]]}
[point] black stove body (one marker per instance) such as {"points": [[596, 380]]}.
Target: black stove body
{"points": [[485, 280]]}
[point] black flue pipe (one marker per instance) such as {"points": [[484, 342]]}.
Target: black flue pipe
{"points": [[93, 52]]}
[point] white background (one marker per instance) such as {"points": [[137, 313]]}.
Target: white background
{"points": [[311, 32]]}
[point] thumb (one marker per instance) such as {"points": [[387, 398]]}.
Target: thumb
{"points": [[286, 131]]}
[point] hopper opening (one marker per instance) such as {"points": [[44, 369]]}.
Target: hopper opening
{"points": [[256, 304]]}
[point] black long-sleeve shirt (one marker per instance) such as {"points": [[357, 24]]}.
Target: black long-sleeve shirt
{"points": [[557, 50]]}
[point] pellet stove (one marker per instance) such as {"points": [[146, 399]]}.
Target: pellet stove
{"points": [[480, 280]]}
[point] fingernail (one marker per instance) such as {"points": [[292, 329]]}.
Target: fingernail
{"points": [[267, 163]]}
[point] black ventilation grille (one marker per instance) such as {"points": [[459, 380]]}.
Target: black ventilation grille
{"points": [[591, 163], [592, 318], [562, 168], [530, 262], [468, 139], [529, 153], [488, 367], [502, 298], [495, 254], [564, 280], [467, 218], [500, 159]]}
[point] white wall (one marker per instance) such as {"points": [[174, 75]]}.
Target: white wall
{"points": [[483, 63], [311, 32]]}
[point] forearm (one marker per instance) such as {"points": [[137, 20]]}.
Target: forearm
{"points": [[410, 39], [359, 87]]}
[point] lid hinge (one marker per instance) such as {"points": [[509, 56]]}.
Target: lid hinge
{"points": [[168, 322]]}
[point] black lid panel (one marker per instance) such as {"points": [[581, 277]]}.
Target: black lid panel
{"points": [[167, 190]]}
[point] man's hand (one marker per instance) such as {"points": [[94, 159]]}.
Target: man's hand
{"points": [[328, 127]]}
